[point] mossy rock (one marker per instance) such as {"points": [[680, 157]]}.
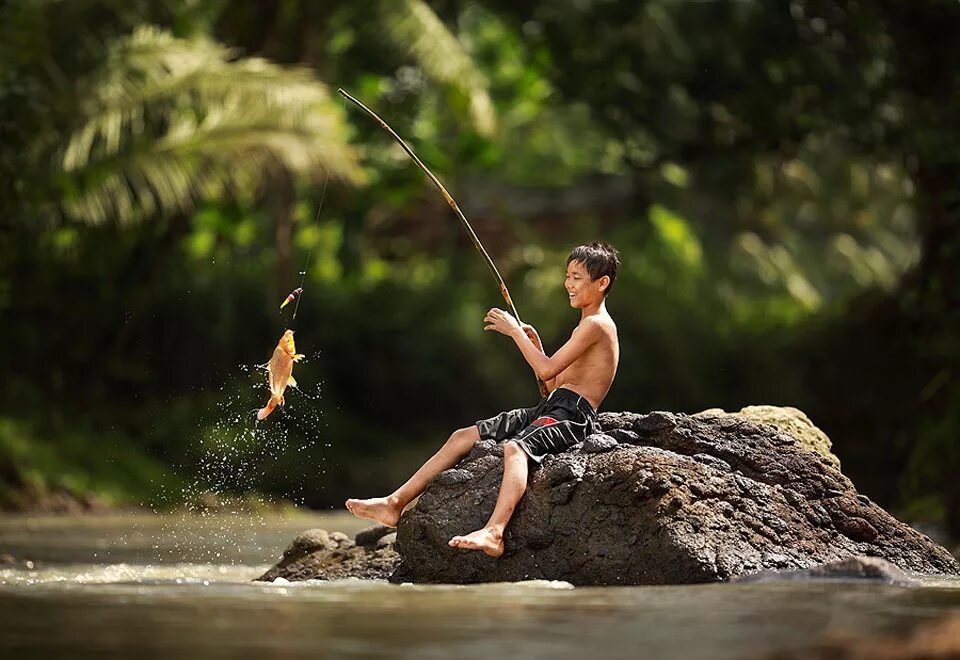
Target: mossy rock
{"points": [[789, 420]]}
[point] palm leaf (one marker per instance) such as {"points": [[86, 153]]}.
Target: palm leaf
{"points": [[412, 26], [169, 121]]}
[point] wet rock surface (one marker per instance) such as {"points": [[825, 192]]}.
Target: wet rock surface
{"points": [[855, 568], [661, 498], [320, 555]]}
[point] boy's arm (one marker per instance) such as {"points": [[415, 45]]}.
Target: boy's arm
{"points": [[534, 337], [546, 368]]}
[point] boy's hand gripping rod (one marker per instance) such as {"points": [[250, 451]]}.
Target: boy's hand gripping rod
{"points": [[456, 209]]}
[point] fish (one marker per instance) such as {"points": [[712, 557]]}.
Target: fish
{"points": [[280, 372], [291, 297]]}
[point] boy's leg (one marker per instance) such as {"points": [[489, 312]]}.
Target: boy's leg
{"points": [[387, 510], [489, 538]]}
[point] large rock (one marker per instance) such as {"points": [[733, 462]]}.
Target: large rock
{"points": [[662, 499]]}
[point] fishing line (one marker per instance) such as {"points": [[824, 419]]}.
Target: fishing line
{"points": [[316, 221], [306, 265]]}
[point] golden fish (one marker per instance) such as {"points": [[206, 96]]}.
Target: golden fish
{"points": [[280, 370]]}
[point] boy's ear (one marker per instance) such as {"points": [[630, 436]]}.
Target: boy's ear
{"points": [[604, 283]]}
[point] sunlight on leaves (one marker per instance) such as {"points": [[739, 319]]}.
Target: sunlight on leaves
{"points": [[676, 235]]}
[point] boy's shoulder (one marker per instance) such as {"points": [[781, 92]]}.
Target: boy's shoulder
{"points": [[602, 322]]}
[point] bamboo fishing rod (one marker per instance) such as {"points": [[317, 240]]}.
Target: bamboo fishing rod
{"points": [[453, 205]]}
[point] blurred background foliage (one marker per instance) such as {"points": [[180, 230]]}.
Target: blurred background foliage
{"points": [[779, 178]]}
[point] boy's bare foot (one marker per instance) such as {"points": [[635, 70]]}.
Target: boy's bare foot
{"points": [[486, 539], [384, 510]]}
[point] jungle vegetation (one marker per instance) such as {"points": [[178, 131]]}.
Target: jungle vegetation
{"points": [[780, 179]]}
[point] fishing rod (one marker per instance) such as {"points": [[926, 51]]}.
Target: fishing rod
{"points": [[453, 205]]}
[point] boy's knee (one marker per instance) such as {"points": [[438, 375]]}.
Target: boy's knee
{"points": [[511, 450], [466, 437]]}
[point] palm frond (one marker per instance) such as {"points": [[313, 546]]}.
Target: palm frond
{"points": [[169, 121], [413, 27]]}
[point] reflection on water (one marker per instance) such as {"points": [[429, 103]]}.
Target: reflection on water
{"points": [[147, 586]]}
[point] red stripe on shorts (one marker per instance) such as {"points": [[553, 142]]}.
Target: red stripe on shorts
{"points": [[544, 421]]}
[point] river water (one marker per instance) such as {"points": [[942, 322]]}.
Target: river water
{"points": [[180, 586]]}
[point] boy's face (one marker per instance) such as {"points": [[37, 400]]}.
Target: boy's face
{"points": [[582, 290]]}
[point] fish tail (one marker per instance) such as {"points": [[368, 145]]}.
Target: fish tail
{"points": [[267, 409]]}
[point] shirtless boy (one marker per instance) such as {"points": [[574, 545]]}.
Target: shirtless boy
{"points": [[578, 377]]}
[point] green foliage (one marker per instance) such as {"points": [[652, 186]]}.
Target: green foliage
{"points": [[39, 459], [412, 26], [680, 244], [165, 122], [778, 179], [162, 123], [934, 460]]}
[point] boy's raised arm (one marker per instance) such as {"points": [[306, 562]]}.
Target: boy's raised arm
{"points": [[546, 368]]}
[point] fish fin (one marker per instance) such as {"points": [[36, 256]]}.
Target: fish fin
{"points": [[298, 357], [292, 382], [267, 409]]}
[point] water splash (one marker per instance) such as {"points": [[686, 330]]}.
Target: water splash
{"points": [[238, 456]]}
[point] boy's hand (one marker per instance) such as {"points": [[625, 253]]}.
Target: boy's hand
{"points": [[532, 335], [502, 322]]}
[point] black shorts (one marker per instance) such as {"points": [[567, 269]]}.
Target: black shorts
{"points": [[554, 425]]}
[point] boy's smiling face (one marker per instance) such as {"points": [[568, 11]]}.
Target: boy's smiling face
{"points": [[582, 290]]}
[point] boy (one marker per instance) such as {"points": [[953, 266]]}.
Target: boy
{"points": [[578, 377]]}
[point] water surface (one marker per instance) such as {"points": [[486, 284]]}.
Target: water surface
{"points": [[180, 586]]}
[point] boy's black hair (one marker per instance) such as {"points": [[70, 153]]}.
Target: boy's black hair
{"points": [[599, 259]]}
